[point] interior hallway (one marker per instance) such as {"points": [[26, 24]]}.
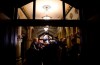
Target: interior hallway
{"points": [[31, 32], [89, 16]]}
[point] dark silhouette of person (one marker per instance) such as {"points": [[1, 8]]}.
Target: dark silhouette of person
{"points": [[64, 54], [50, 54], [74, 51], [33, 54]]}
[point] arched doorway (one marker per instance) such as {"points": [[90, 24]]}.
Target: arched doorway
{"points": [[45, 36]]}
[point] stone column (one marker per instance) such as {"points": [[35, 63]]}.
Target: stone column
{"points": [[58, 33], [76, 29], [67, 35], [71, 35], [18, 47], [78, 39], [29, 35], [71, 30], [63, 32]]}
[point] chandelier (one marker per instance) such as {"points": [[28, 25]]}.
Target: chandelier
{"points": [[46, 17], [46, 28]]}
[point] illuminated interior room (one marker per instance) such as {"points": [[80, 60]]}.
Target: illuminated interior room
{"points": [[50, 17], [48, 10], [48, 32]]}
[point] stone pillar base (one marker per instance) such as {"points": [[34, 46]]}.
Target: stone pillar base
{"points": [[19, 61]]}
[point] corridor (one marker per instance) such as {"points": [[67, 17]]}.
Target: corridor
{"points": [[48, 45], [55, 26]]}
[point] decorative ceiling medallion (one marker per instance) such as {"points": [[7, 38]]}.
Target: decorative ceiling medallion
{"points": [[71, 15], [46, 7]]}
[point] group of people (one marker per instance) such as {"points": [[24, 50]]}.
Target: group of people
{"points": [[50, 53]]}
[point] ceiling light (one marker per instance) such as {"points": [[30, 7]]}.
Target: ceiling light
{"points": [[46, 7], [45, 29], [46, 17]]}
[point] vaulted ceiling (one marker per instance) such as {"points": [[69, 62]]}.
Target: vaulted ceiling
{"points": [[7, 7], [48, 8], [89, 8], [38, 30]]}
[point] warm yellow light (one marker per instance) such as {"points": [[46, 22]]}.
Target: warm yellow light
{"points": [[52, 8], [46, 18], [46, 29]]}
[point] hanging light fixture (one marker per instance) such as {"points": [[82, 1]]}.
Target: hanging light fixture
{"points": [[46, 17], [46, 28]]}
